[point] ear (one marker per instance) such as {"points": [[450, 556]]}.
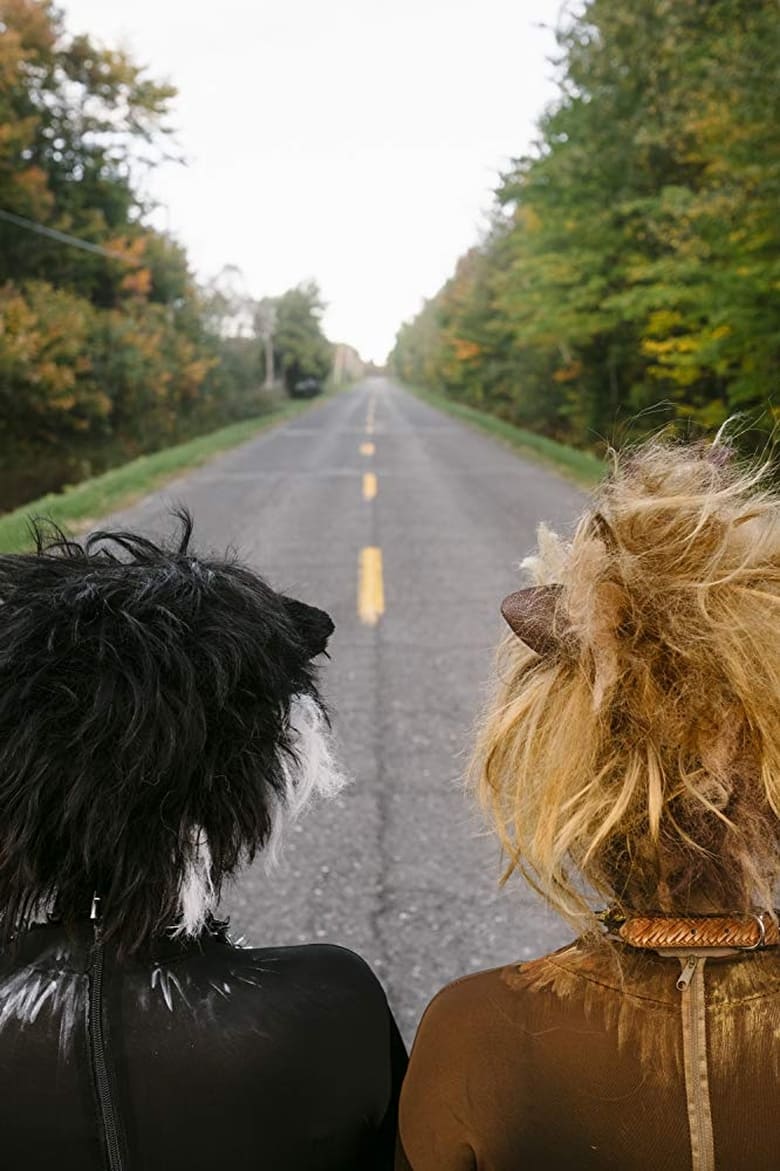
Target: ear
{"points": [[529, 613], [314, 626]]}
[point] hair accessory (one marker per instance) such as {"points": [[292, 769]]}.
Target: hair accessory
{"points": [[749, 931]]}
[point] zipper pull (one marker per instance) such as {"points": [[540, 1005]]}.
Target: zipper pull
{"points": [[688, 969], [94, 915]]}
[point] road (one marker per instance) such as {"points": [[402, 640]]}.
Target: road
{"points": [[400, 867]]}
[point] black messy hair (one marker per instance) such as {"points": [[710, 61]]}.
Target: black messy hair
{"points": [[144, 698]]}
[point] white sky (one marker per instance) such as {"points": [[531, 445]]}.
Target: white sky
{"points": [[351, 141]]}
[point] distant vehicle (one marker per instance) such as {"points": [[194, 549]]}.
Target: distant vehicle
{"points": [[306, 388]]}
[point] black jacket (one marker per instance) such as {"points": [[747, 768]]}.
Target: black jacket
{"points": [[199, 1056]]}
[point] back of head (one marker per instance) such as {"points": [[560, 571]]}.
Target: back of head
{"points": [[638, 755], [158, 711]]}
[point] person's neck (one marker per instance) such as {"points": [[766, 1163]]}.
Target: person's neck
{"points": [[699, 902]]}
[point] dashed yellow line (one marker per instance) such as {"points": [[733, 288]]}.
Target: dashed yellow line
{"points": [[366, 449], [370, 485], [371, 590], [370, 417]]}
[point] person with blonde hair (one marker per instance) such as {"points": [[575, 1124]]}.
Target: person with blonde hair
{"points": [[630, 762]]}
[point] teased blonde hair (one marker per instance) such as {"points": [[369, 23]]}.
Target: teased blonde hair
{"points": [[641, 756]]}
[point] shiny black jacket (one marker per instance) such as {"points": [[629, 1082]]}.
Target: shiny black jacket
{"points": [[201, 1055]]}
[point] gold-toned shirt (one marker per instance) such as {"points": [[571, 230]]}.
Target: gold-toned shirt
{"points": [[577, 1062]]}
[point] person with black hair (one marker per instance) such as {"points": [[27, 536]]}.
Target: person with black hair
{"points": [[159, 720]]}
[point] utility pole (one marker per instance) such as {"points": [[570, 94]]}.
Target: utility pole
{"points": [[265, 324]]}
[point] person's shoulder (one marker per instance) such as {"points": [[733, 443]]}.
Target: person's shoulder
{"points": [[463, 997], [487, 995], [327, 970], [464, 1020], [322, 959], [474, 986]]}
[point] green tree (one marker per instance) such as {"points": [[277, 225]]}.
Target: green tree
{"points": [[301, 349], [636, 258]]}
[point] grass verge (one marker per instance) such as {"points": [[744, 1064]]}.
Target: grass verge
{"points": [[580, 467], [79, 505]]}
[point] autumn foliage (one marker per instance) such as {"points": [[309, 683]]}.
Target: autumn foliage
{"points": [[102, 357], [634, 256]]}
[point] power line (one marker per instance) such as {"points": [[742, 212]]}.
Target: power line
{"points": [[64, 238]]}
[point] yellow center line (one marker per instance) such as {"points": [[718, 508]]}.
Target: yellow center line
{"points": [[371, 591], [369, 485], [370, 417], [366, 449]]}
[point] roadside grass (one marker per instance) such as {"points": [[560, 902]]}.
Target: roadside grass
{"points": [[580, 467], [78, 506]]}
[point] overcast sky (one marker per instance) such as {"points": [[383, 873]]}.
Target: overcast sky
{"points": [[352, 141]]}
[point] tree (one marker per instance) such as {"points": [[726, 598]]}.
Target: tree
{"points": [[635, 256], [72, 119], [301, 349], [108, 352]]}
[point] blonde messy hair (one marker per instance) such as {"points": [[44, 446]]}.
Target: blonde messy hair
{"points": [[642, 753]]}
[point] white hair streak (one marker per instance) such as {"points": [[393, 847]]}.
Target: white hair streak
{"points": [[198, 897], [312, 772]]}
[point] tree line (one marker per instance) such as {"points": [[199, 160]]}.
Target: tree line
{"points": [[632, 263], [108, 346]]}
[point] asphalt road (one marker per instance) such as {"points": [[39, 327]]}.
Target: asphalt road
{"points": [[400, 867]]}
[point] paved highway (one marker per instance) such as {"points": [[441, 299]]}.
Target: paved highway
{"points": [[407, 526]]}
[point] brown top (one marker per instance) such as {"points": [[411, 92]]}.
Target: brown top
{"points": [[552, 1065]]}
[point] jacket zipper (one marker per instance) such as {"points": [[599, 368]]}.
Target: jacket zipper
{"points": [[106, 1103], [694, 1022]]}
